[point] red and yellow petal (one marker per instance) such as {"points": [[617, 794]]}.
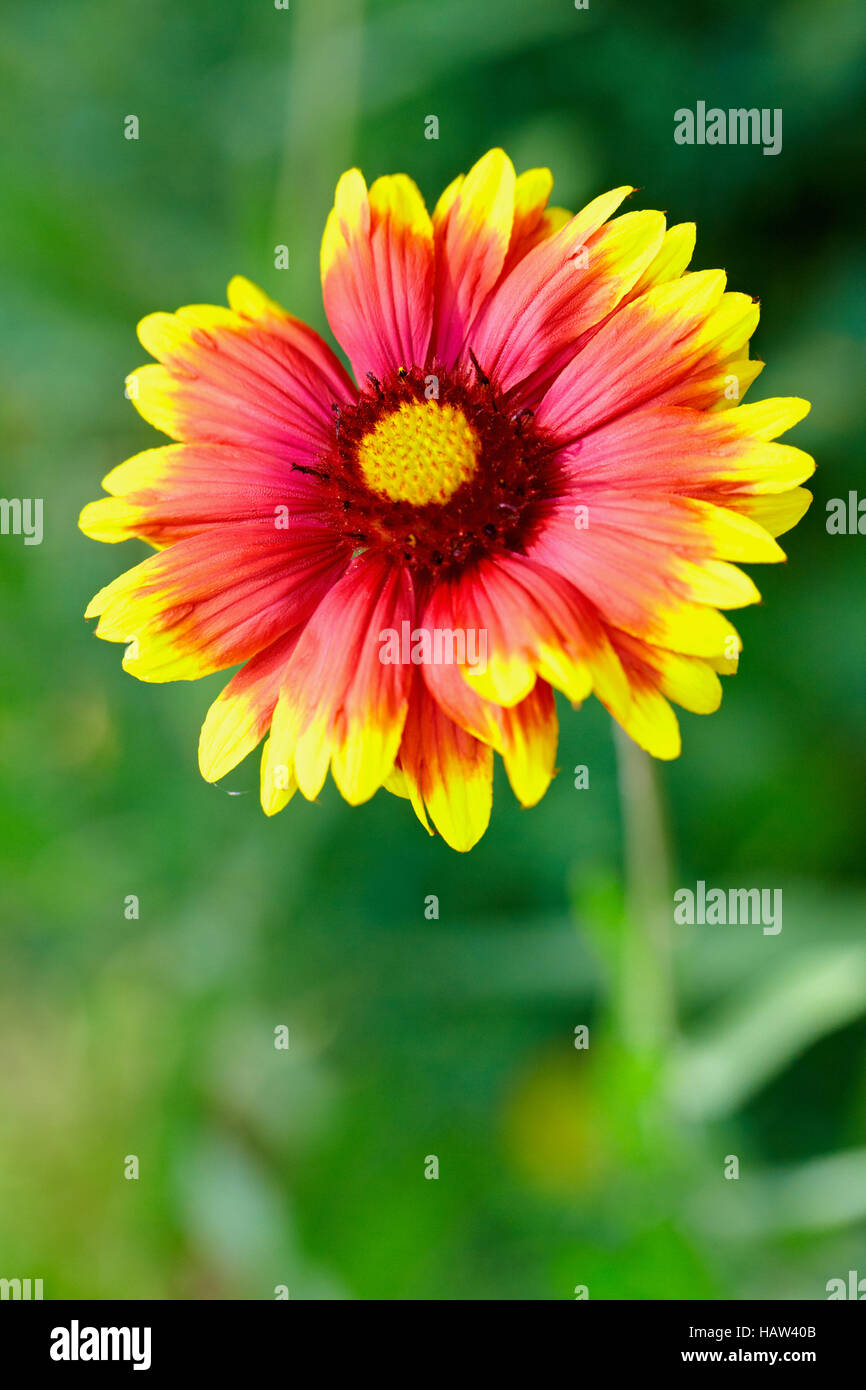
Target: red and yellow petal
{"points": [[530, 223], [250, 376], [472, 224], [448, 774], [643, 563], [168, 494], [528, 330], [656, 676], [670, 261], [525, 734], [646, 351], [377, 266], [527, 737], [667, 497], [648, 718], [535, 626], [341, 706], [776, 513], [675, 450], [240, 716], [216, 598]]}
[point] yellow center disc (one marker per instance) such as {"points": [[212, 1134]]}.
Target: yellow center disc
{"points": [[420, 453]]}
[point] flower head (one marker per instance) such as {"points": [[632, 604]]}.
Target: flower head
{"points": [[540, 478]]}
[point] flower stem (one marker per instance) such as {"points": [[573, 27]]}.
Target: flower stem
{"points": [[644, 1002]]}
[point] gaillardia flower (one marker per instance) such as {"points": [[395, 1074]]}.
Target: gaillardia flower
{"points": [[540, 478]]}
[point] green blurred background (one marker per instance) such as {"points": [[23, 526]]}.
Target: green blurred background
{"points": [[412, 1037]]}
